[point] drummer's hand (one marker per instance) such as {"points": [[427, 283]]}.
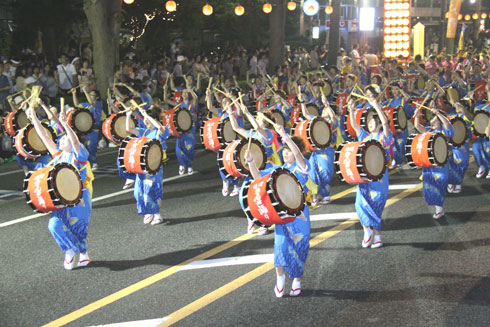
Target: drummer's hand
{"points": [[128, 113], [325, 101], [350, 104], [280, 130], [30, 113], [73, 91], [487, 131], [208, 92], [63, 117]]}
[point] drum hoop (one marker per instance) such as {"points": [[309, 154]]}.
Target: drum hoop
{"points": [[459, 144], [220, 131], [27, 146], [273, 111], [221, 165], [238, 162], [278, 206], [15, 118], [311, 137], [145, 152], [52, 178], [72, 117], [396, 120], [174, 118], [479, 112], [430, 146], [362, 159]]}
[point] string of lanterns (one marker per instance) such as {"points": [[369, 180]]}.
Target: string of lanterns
{"points": [[310, 7], [475, 16]]}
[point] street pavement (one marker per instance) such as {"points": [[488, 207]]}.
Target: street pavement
{"points": [[200, 268]]}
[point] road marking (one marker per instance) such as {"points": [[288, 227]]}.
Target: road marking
{"points": [[398, 187], [11, 172], [138, 323], [100, 198], [230, 261], [333, 216], [257, 272]]}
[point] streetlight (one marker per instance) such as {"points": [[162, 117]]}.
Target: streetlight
{"points": [[128, 2], [171, 6], [267, 8], [291, 5], [239, 10], [207, 9]]}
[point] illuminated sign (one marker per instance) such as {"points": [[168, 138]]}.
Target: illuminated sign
{"points": [[396, 29], [366, 19]]}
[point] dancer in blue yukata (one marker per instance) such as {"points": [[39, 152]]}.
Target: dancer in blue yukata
{"points": [[481, 146], [291, 240], [69, 225], [148, 189], [371, 197], [435, 180], [184, 148]]}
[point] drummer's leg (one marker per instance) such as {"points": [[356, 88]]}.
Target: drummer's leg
{"points": [[92, 142]]}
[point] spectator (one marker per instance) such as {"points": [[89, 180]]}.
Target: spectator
{"points": [[65, 75]]}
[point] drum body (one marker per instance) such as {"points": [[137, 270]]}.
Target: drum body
{"points": [[217, 133], [52, 188], [295, 114], [80, 120], [292, 99], [178, 121], [480, 91], [460, 132], [28, 143], [397, 118], [361, 116], [14, 121], [114, 127], [427, 150], [140, 155], [360, 162], [341, 103], [480, 122], [276, 198], [317, 133], [232, 160]]}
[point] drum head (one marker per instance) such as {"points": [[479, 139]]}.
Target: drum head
{"points": [[321, 133], [154, 157], [34, 140], [120, 126], [440, 149], [22, 120], [289, 192], [327, 89], [83, 120], [420, 84], [452, 95], [278, 117], [312, 110], [480, 122], [402, 118], [459, 127], [184, 120], [374, 160], [68, 184], [229, 134], [258, 153]]}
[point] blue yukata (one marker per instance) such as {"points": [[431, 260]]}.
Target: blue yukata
{"points": [[184, 148], [481, 146], [273, 149], [371, 197], [239, 119], [436, 179], [148, 189], [292, 240], [92, 138], [321, 161], [459, 157], [69, 225], [400, 140]]}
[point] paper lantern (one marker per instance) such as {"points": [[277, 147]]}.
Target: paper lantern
{"points": [[207, 10], [329, 10], [291, 5], [128, 2], [475, 16], [460, 17], [467, 17], [311, 7], [483, 15], [171, 6], [239, 10], [267, 8]]}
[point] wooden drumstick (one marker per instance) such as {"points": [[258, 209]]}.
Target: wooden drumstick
{"points": [[218, 90], [62, 104], [137, 106], [210, 82], [268, 120]]}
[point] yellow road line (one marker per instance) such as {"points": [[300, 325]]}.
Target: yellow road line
{"points": [[248, 277]]}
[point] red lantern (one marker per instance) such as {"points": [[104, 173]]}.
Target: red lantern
{"points": [[207, 10], [267, 8], [239, 10], [171, 6], [291, 5]]}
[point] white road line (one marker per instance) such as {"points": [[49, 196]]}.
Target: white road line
{"points": [[12, 172], [231, 261], [137, 323], [333, 216], [396, 187], [100, 198]]}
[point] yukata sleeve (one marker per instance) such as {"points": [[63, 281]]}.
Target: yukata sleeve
{"points": [[362, 134], [448, 132]]}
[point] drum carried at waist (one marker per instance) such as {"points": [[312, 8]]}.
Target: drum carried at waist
{"points": [[427, 150], [178, 121], [140, 155], [296, 115], [397, 118], [276, 198], [317, 133], [460, 132], [14, 121], [53, 188], [340, 106], [80, 120], [232, 160], [362, 116], [480, 122], [216, 133], [114, 127], [452, 95], [360, 162], [28, 143]]}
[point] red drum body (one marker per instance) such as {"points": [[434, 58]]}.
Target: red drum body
{"points": [[114, 127], [28, 143], [295, 114], [360, 162], [80, 120], [276, 198], [14, 121], [362, 116], [480, 91], [341, 103], [262, 103], [140, 155], [177, 97], [317, 133], [292, 99], [216, 133], [232, 160], [397, 118], [52, 188], [480, 122], [178, 121], [427, 150], [460, 132]]}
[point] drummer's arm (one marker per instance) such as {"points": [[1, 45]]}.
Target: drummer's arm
{"points": [[250, 118], [172, 84], [153, 121], [327, 110], [301, 101], [254, 171], [75, 142], [198, 83], [234, 124], [384, 121], [292, 146], [353, 123], [416, 122], [165, 97], [404, 94], [193, 95], [89, 98], [443, 119], [76, 103], [13, 106], [130, 129], [209, 102], [50, 145]]}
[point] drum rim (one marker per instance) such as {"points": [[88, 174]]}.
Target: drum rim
{"points": [[174, 119], [112, 127], [275, 110], [220, 130], [30, 150], [238, 162], [396, 121], [431, 143], [459, 144], [274, 195], [145, 154], [477, 112], [52, 177], [73, 114], [363, 148], [311, 137]]}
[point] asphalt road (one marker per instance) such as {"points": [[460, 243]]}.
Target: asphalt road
{"points": [[429, 273]]}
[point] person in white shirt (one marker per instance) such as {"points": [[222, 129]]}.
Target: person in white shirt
{"points": [[65, 74], [355, 53]]}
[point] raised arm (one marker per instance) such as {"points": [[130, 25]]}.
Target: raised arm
{"points": [[75, 142], [89, 98], [130, 129], [76, 103], [153, 121], [445, 121], [327, 110], [352, 117], [234, 124], [209, 102], [252, 166], [384, 120], [292, 146], [416, 123]]}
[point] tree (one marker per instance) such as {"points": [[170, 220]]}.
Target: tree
{"points": [[104, 21], [277, 22], [334, 37]]}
